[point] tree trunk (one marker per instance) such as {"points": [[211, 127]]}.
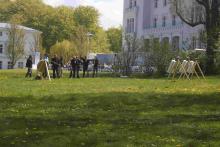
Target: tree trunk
{"points": [[13, 64], [212, 39], [210, 55]]}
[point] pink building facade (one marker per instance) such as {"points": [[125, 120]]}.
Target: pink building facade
{"points": [[154, 19]]}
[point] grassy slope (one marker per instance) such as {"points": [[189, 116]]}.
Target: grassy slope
{"points": [[108, 112]]}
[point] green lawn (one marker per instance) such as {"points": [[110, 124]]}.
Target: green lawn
{"points": [[106, 112]]}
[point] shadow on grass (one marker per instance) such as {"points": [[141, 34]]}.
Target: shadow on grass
{"points": [[21, 74], [110, 119]]}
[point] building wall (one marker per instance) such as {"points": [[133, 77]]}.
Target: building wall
{"points": [[144, 14], [28, 48]]}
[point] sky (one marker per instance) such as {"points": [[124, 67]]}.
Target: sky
{"points": [[111, 11]]}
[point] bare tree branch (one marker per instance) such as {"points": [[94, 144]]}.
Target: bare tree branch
{"points": [[15, 46]]}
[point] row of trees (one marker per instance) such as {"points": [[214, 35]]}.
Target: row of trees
{"points": [[62, 24]]}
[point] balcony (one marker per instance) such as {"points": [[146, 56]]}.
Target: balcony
{"points": [[132, 10], [160, 27]]}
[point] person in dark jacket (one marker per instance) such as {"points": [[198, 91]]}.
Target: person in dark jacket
{"points": [[78, 62], [29, 67], [72, 67], [61, 66], [85, 63], [95, 67], [55, 66]]}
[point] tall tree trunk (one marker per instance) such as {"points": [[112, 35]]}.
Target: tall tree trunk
{"points": [[210, 54], [212, 25]]}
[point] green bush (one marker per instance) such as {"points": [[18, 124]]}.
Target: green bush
{"points": [[160, 55]]}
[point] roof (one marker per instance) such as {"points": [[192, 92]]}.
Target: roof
{"points": [[7, 25]]}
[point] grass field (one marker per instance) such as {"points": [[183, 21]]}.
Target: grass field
{"points": [[108, 112]]}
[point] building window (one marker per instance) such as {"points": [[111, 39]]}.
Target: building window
{"points": [[1, 34], [132, 24], [175, 43], [164, 21], [147, 44], [155, 22], [165, 41], [194, 42], [10, 65], [174, 20], [130, 4], [20, 65], [135, 3], [156, 41], [1, 48], [164, 3], [128, 25], [0, 64], [155, 3]]}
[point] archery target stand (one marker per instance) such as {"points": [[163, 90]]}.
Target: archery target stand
{"points": [[183, 70], [42, 70], [187, 69], [172, 69], [176, 67], [195, 69]]}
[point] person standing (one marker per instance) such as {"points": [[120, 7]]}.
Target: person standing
{"points": [[73, 67], [29, 67], [55, 66], [85, 66], [61, 66], [78, 62], [95, 67]]}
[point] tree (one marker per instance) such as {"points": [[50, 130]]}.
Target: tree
{"points": [[64, 17], [66, 49], [15, 46], [88, 17], [114, 36], [159, 55], [207, 13], [127, 57], [36, 43], [100, 42], [81, 41]]}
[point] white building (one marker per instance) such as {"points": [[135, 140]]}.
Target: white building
{"points": [[29, 47], [153, 19]]}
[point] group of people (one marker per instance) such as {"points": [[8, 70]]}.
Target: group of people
{"points": [[57, 65], [74, 66]]}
